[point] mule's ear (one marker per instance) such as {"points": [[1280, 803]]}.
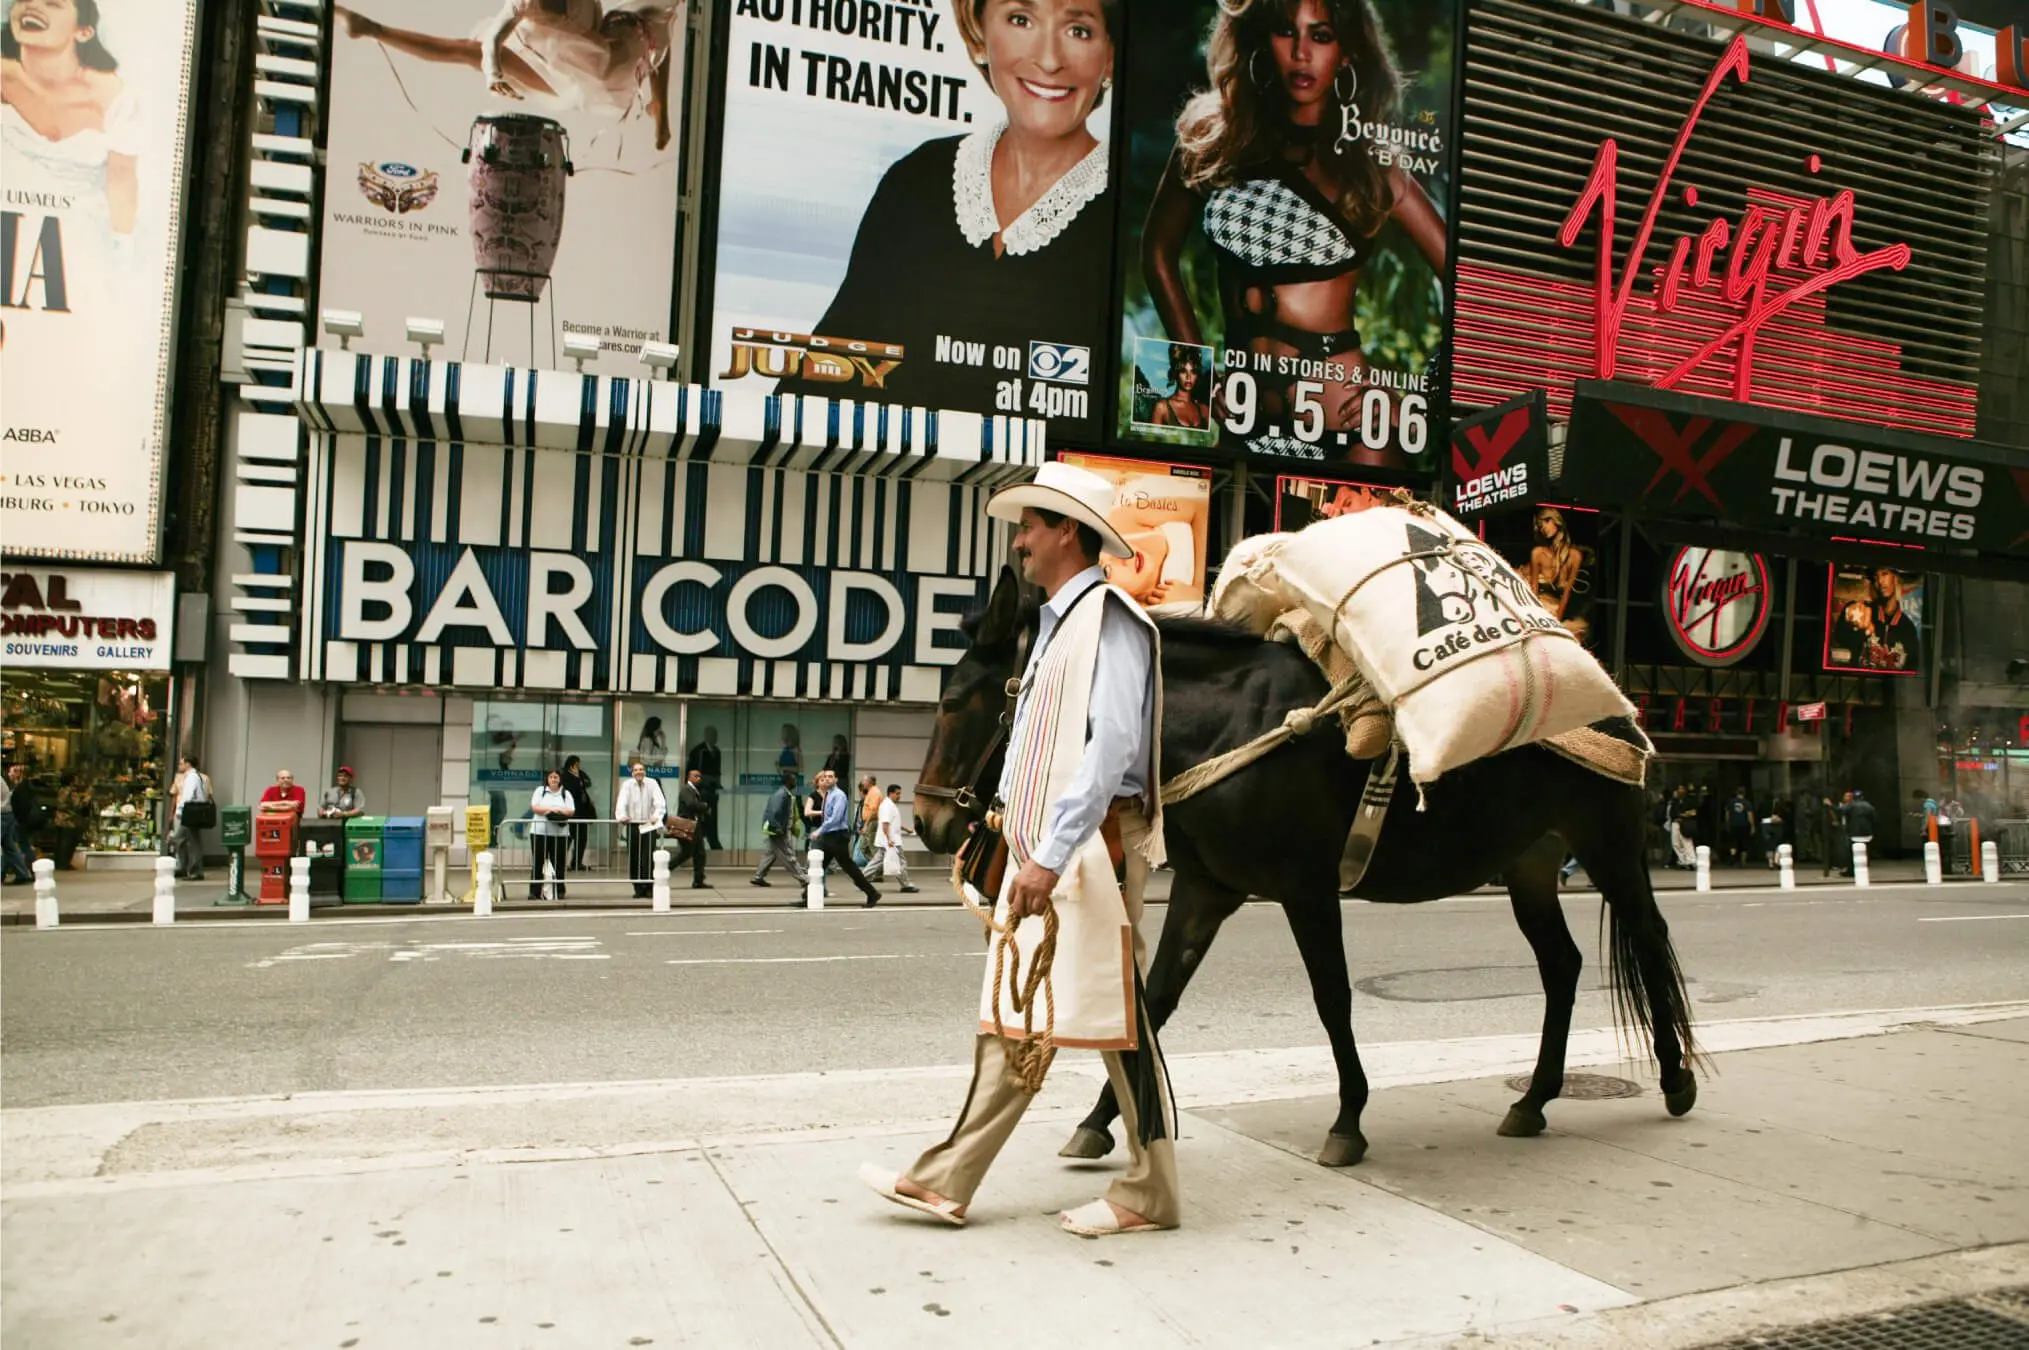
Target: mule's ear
{"points": [[1003, 611]]}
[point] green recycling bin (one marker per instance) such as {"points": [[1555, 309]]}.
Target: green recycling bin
{"points": [[365, 840]]}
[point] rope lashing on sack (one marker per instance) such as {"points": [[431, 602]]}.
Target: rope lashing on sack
{"points": [[1297, 722], [1028, 1059]]}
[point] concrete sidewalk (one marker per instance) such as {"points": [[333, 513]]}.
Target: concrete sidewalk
{"points": [[112, 897], [1834, 1164]]}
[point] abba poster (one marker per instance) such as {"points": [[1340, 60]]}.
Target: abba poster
{"points": [[508, 171], [864, 250], [1282, 288], [1164, 513], [92, 219]]}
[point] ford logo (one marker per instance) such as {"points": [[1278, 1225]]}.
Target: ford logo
{"points": [[394, 168]]}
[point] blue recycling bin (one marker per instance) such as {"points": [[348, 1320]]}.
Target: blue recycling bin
{"points": [[401, 876]]}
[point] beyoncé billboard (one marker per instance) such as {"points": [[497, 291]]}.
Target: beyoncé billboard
{"points": [[1282, 236]]}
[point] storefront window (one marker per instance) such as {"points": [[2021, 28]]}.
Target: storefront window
{"points": [[757, 743], [515, 743], [93, 744]]}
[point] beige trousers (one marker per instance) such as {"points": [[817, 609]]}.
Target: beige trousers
{"points": [[994, 1105]]}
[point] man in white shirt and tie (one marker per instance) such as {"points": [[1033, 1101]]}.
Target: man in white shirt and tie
{"points": [[641, 807]]}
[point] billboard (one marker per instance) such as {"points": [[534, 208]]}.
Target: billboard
{"points": [[93, 163], [508, 170], [897, 224], [1874, 620], [1301, 501], [85, 619], [1282, 228], [1164, 512]]}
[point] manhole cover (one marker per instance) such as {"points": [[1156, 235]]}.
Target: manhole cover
{"points": [[1585, 1087], [1956, 1325]]}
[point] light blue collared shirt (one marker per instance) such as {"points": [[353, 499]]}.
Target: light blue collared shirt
{"points": [[836, 807], [1116, 722]]}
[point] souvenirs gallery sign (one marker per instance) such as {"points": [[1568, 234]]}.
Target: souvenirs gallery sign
{"points": [[1676, 456]]}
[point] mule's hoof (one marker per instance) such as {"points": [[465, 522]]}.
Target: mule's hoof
{"points": [[1684, 1098], [1342, 1150], [1522, 1122], [1087, 1143]]}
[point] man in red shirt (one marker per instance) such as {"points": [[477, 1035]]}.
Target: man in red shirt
{"points": [[284, 796]]}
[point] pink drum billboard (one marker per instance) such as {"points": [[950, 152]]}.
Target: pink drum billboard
{"points": [[509, 169]]}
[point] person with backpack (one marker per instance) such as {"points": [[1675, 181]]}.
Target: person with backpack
{"points": [[780, 824]]}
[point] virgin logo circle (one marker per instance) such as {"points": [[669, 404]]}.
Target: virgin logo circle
{"points": [[1716, 603]]}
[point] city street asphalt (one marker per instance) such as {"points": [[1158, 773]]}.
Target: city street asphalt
{"points": [[442, 1130]]}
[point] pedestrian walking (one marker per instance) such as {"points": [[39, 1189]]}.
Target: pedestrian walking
{"points": [[341, 801], [1683, 824], [1739, 828], [834, 835], [888, 861], [579, 784], [640, 808], [780, 824], [1838, 851], [30, 814], [549, 834], [14, 860], [687, 824], [192, 789], [866, 845], [1081, 820], [705, 758]]}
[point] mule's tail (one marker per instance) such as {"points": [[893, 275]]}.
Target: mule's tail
{"points": [[1643, 974]]}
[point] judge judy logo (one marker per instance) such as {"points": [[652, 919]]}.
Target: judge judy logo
{"points": [[830, 360]]}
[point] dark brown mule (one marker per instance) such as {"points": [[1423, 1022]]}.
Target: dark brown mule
{"points": [[1222, 687]]}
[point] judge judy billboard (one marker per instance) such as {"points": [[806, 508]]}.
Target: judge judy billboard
{"points": [[1282, 227], [508, 167], [914, 205], [93, 173]]}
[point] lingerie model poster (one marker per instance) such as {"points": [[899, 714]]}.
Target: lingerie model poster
{"points": [[1164, 513], [92, 119], [915, 205], [508, 167], [1286, 186]]}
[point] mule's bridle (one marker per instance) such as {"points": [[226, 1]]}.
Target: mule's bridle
{"points": [[974, 795]]}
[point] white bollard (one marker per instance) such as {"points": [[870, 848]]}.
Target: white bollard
{"points": [[45, 892], [1990, 863], [299, 890], [658, 888], [813, 887], [482, 885], [1704, 867], [165, 890], [1785, 862], [1860, 877], [1933, 864]]}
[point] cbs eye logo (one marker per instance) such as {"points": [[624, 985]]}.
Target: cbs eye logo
{"points": [[1060, 362]]}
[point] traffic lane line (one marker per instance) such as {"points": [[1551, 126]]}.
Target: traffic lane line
{"points": [[1968, 918], [817, 960]]}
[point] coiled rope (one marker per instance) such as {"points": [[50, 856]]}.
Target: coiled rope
{"points": [[1028, 1059]]}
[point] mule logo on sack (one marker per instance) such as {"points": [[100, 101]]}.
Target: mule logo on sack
{"points": [[1445, 595]]}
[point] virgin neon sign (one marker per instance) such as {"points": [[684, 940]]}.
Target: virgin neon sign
{"points": [[1810, 245]]}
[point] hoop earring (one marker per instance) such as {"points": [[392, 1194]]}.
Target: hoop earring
{"points": [[1253, 73], [1346, 97]]}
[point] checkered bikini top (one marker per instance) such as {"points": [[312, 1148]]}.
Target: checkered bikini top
{"points": [[1281, 228]]}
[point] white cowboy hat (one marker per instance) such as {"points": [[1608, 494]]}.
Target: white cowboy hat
{"points": [[1069, 491]]}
